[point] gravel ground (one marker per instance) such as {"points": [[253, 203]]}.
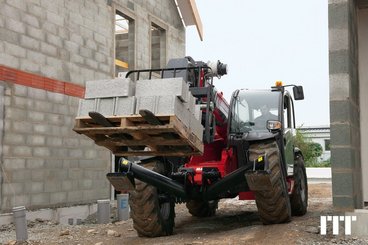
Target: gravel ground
{"points": [[236, 222]]}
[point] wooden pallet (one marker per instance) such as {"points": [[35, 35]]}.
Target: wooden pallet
{"points": [[133, 136]]}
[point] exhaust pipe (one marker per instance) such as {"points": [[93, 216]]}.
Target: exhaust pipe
{"points": [[150, 177]]}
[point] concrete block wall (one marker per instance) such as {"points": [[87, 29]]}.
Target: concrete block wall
{"points": [[45, 162], [65, 39], [344, 105]]}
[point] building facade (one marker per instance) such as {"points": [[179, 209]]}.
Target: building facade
{"points": [[348, 58], [48, 50]]}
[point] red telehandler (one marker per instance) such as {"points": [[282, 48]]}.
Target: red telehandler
{"points": [[249, 152]]}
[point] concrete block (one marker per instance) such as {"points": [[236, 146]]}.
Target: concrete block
{"points": [[125, 105], [54, 141], [41, 152], [172, 105], [146, 103], [106, 106], [16, 114], [75, 196], [54, 40], [22, 151], [41, 128], [28, 42], [36, 33], [34, 163], [359, 227], [36, 140], [52, 186], [341, 134], [38, 174], [48, 49], [343, 202], [342, 184], [40, 199], [15, 25], [196, 127], [30, 20], [86, 105], [14, 50], [87, 53], [30, 66], [198, 112], [35, 187], [20, 90], [58, 197], [14, 163], [22, 102], [160, 87], [109, 88], [14, 139], [12, 188], [339, 61]]}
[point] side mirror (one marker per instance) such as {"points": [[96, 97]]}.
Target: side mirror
{"points": [[298, 92]]}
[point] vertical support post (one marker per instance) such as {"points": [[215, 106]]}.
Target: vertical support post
{"points": [[123, 206], [19, 214], [103, 211]]}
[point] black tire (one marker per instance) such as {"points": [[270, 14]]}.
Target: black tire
{"points": [[152, 211], [299, 197], [201, 208], [274, 204]]}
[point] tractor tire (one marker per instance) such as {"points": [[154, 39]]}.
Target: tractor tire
{"points": [[273, 204], [152, 211], [299, 197], [199, 208]]}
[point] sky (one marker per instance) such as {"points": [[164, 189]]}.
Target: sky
{"points": [[266, 41]]}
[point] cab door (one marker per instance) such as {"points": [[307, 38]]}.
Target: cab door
{"points": [[289, 132]]}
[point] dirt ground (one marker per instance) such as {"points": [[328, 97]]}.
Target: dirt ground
{"points": [[236, 222]]}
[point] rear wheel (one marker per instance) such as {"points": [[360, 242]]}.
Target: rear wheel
{"points": [[299, 197], [201, 208], [273, 204], [152, 211]]}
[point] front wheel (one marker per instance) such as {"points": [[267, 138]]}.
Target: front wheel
{"points": [[152, 210], [273, 204], [201, 208], [299, 197]]}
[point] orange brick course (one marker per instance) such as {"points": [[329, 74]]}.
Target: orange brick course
{"points": [[16, 76]]}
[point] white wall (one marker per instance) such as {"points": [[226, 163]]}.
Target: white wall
{"points": [[363, 87]]}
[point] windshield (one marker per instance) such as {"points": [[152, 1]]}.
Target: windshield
{"points": [[252, 109]]}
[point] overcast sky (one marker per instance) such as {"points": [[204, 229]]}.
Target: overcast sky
{"points": [[265, 41]]}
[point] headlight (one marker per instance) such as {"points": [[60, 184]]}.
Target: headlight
{"points": [[273, 125]]}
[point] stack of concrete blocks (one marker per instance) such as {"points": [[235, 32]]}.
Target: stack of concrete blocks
{"points": [[170, 96], [109, 97], [163, 97]]}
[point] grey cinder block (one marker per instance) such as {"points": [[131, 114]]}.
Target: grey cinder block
{"points": [[198, 112], [196, 127], [172, 105], [191, 102], [109, 88], [125, 105], [106, 106], [86, 106], [160, 87], [146, 103]]}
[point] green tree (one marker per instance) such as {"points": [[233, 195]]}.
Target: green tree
{"points": [[311, 150]]}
